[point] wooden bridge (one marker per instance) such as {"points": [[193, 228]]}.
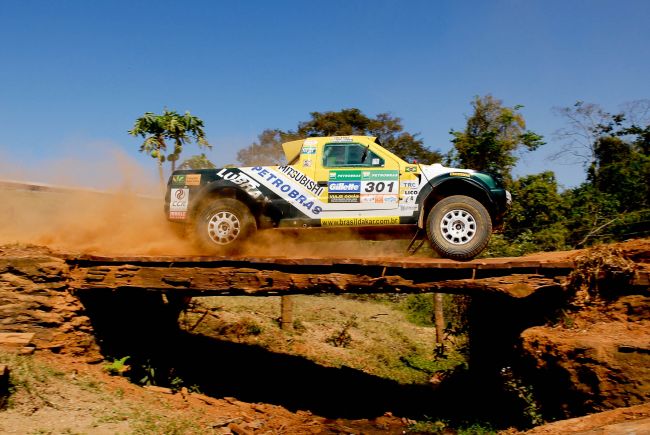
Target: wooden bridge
{"points": [[209, 276]]}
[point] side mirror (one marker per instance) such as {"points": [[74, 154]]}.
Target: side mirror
{"points": [[364, 156]]}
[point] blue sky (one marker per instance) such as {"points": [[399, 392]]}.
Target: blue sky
{"points": [[74, 75]]}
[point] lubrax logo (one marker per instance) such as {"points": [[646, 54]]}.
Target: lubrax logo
{"points": [[345, 187]]}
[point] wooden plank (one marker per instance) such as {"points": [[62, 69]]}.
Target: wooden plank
{"points": [[257, 281], [406, 262]]}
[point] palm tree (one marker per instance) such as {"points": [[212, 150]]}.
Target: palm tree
{"points": [[156, 129]]}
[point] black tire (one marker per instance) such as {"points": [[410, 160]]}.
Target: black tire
{"points": [[223, 224], [459, 227]]}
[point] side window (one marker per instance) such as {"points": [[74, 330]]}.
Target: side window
{"points": [[350, 154]]}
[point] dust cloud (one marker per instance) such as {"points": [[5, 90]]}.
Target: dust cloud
{"points": [[110, 205]]}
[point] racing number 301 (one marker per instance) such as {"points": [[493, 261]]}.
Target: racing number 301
{"points": [[379, 186]]}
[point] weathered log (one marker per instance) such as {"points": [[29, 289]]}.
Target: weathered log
{"points": [[208, 281]]}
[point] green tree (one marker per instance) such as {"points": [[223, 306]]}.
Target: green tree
{"points": [[168, 126], [537, 209], [267, 151], [346, 122], [614, 201], [492, 135], [387, 128], [197, 162], [586, 123], [588, 213]]}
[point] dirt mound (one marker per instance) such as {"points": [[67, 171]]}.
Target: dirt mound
{"points": [[35, 298], [630, 420], [596, 355]]}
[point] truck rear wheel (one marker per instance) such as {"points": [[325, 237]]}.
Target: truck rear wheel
{"points": [[223, 224], [459, 227]]}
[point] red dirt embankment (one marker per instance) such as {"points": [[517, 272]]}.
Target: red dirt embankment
{"points": [[597, 357]]}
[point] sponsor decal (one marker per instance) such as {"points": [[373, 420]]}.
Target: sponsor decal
{"points": [[177, 215], [379, 199], [308, 150], [310, 142], [345, 175], [357, 221], [408, 199], [347, 198], [376, 161], [384, 174], [186, 180], [298, 176], [193, 179], [409, 192], [345, 139], [408, 207], [307, 163], [179, 200], [411, 169], [459, 174], [178, 180], [344, 186], [242, 180], [379, 187], [287, 190], [372, 185]]}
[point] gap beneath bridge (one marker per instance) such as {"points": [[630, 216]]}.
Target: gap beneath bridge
{"points": [[264, 276]]}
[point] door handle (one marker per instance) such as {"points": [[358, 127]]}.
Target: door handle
{"points": [[322, 183]]}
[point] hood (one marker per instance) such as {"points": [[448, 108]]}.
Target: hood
{"points": [[432, 171]]}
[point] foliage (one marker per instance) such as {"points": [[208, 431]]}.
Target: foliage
{"points": [[501, 246], [612, 204], [117, 367], [343, 338], [28, 378], [537, 211], [419, 309], [168, 126], [621, 170], [587, 122], [148, 374], [240, 329], [598, 265], [433, 426], [492, 135], [267, 151], [524, 393], [387, 128], [197, 162], [431, 365]]}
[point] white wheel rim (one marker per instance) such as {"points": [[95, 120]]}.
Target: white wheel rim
{"points": [[458, 227], [223, 227]]}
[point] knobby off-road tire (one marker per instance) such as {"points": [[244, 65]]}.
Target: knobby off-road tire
{"points": [[459, 227], [223, 224]]}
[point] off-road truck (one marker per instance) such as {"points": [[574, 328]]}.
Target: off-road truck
{"points": [[340, 181]]}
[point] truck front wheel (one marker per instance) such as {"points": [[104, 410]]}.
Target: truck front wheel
{"points": [[459, 227], [223, 224]]}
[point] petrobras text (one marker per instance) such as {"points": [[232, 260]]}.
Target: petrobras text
{"points": [[286, 189]]}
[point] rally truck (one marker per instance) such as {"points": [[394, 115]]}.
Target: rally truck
{"points": [[339, 181]]}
